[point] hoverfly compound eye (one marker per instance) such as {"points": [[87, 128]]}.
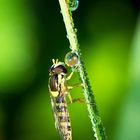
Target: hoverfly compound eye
{"points": [[51, 69], [60, 69], [72, 59]]}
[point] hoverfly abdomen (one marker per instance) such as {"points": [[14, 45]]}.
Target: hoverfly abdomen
{"points": [[61, 108], [63, 118], [59, 99], [60, 104]]}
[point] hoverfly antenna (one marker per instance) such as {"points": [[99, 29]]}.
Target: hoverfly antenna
{"points": [[56, 62], [53, 60]]}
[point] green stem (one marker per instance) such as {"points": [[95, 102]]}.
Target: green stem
{"points": [[97, 126], [68, 20]]}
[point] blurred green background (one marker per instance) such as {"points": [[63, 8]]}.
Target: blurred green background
{"points": [[32, 32]]}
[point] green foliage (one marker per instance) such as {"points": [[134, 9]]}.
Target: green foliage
{"points": [[129, 122], [32, 32]]}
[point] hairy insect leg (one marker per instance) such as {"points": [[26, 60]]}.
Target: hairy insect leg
{"points": [[70, 88], [75, 85], [69, 77], [80, 100], [70, 98], [71, 74]]}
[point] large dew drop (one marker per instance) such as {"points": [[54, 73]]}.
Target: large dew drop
{"points": [[73, 4], [72, 59]]}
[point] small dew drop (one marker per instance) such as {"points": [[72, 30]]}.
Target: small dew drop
{"points": [[73, 5], [67, 36], [75, 30]]}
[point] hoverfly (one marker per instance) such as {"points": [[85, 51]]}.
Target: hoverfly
{"points": [[59, 89]]}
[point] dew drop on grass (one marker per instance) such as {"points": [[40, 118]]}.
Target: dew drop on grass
{"points": [[71, 59], [75, 30], [73, 4]]}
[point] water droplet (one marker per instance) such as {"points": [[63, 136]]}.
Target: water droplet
{"points": [[72, 59], [75, 30], [67, 36], [73, 4]]}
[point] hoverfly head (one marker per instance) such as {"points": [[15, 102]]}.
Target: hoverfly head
{"points": [[58, 67]]}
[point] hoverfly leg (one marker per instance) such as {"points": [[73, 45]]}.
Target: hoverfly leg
{"points": [[70, 98], [69, 77], [70, 87], [78, 85], [80, 100], [75, 85], [71, 74]]}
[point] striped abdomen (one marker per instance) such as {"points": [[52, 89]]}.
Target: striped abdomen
{"points": [[62, 118]]}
